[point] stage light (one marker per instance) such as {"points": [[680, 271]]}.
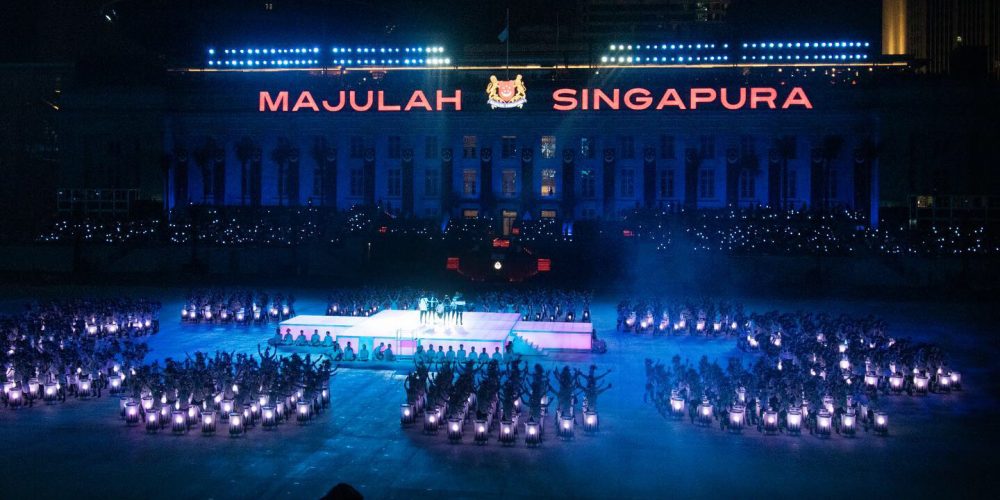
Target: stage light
{"points": [[881, 423]]}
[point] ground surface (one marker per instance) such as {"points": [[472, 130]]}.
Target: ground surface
{"points": [[939, 445]]}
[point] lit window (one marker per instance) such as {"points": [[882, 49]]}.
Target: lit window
{"points": [[548, 182], [548, 147], [548, 214], [470, 213], [469, 182], [469, 146]]}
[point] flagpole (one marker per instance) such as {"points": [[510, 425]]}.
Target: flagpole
{"points": [[507, 70]]}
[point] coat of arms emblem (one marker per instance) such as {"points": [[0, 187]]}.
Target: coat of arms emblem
{"points": [[506, 93]]}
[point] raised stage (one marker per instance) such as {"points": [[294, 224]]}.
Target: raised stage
{"points": [[479, 330]]}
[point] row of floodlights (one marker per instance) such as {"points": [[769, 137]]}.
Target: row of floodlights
{"points": [[273, 62], [663, 46], [657, 59], [434, 61], [807, 57], [805, 45], [335, 50]]}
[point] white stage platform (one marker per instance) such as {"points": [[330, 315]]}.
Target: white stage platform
{"points": [[403, 331]]}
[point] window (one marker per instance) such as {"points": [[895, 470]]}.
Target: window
{"points": [[628, 146], [548, 214], [548, 147], [469, 182], [470, 213], [395, 146], [394, 187], [790, 187], [667, 183], [748, 185], [667, 147], [357, 147], [587, 148], [431, 147], [509, 182], [548, 182], [831, 185], [706, 184], [432, 182], [747, 146], [357, 182], [627, 185], [469, 146], [587, 183], [707, 147], [508, 147]]}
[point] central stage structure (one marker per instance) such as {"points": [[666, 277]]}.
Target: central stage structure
{"points": [[479, 330]]}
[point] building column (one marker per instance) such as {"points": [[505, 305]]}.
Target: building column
{"points": [[608, 176], [407, 181], [649, 177]]}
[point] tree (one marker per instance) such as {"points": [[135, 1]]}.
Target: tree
{"points": [[244, 153], [280, 156]]}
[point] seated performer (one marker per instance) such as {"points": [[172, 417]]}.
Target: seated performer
{"points": [[327, 340], [314, 340], [450, 355], [276, 340], [363, 353], [460, 355], [379, 351], [483, 357], [349, 353], [389, 356], [301, 340]]}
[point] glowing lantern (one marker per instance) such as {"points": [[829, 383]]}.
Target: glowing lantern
{"points": [[51, 392], [406, 414], [303, 411], [871, 380], [178, 422], [33, 386], [208, 422], [896, 382], [590, 421], [15, 398], [226, 407], [116, 383], [235, 424], [481, 431], [848, 423], [956, 380], [131, 413], [85, 388], [152, 422], [430, 422], [944, 381], [147, 403], [269, 417], [507, 435], [737, 416], [566, 426], [823, 422], [845, 364], [828, 403], [705, 412], [533, 435], [677, 405], [920, 382], [881, 423], [770, 421], [793, 420], [454, 429], [193, 415]]}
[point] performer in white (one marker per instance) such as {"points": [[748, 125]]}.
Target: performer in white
{"points": [[422, 306]]}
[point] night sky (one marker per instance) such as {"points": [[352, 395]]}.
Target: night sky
{"points": [[162, 30]]}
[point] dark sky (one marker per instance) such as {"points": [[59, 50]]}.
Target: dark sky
{"points": [[71, 30]]}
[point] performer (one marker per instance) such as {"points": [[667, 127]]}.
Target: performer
{"points": [[459, 306], [422, 306], [446, 303], [432, 304]]}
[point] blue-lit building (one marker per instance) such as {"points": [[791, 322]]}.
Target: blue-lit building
{"points": [[530, 160]]}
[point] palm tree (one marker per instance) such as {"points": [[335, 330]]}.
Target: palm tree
{"points": [[280, 155], [244, 153], [829, 151], [205, 157], [784, 148]]}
